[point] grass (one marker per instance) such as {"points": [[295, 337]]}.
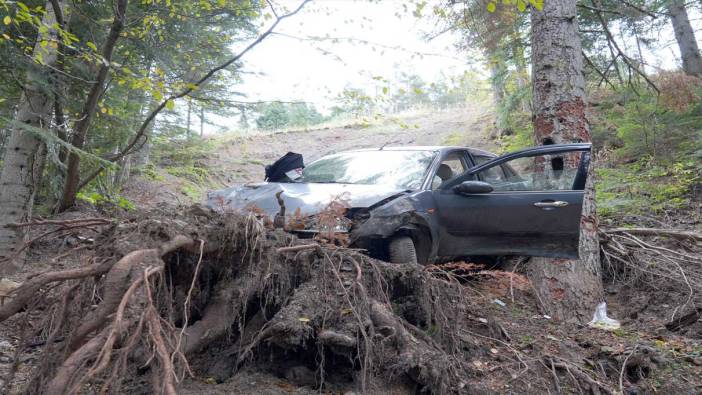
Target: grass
{"points": [[192, 191], [455, 138], [647, 186]]}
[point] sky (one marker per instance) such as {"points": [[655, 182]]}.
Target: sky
{"points": [[387, 40], [289, 68]]}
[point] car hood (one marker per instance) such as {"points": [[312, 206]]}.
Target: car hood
{"points": [[310, 198]]}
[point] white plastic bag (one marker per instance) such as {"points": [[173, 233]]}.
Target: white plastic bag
{"points": [[601, 321]]}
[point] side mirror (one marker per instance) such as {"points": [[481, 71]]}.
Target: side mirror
{"points": [[472, 187]]}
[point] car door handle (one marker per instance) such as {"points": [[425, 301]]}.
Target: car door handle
{"points": [[557, 203]]}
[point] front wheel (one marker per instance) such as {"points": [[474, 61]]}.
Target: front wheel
{"points": [[401, 250]]}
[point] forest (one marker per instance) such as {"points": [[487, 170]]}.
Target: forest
{"points": [[121, 121]]}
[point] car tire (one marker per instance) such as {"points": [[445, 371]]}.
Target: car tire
{"points": [[401, 250]]}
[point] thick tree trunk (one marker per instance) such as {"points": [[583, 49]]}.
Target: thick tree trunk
{"points": [[80, 132], [17, 182], [569, 289], [685, 36]]}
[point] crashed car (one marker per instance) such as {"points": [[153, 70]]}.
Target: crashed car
{"points": [[429, 204]]}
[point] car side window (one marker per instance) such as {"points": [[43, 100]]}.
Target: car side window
{"points": [[493, 174], [535, 173], [451, 166]]}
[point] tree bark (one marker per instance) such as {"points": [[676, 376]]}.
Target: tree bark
{"points": [[498, 71], [190, 110], [569, 289], [18, 171], [522, 72], [72, 182], [202, 121], [685, 36]]}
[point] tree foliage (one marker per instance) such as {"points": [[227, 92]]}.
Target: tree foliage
{"points": [[277, 115]]}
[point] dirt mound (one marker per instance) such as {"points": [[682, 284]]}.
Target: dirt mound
{"points": [[195, 302]]}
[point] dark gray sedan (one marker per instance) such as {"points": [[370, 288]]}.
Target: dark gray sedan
{"points": [[423, 204]]}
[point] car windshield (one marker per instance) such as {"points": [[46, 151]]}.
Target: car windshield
{"points": [[402, 169]]}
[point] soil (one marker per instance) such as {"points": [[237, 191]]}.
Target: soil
{"points": [[494, 333]]}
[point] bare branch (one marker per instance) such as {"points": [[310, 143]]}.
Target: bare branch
{"points": [[626, 59], [597, 9], [594, 67], [641, 10], [140, 137], [676, 234]]}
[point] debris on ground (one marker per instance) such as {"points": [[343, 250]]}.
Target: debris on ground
{"points": [[190, 301]]}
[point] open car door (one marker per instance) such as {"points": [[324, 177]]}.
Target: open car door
{"points": [[524, 203]]}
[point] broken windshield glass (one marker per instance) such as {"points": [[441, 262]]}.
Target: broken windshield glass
{"points": [[402, 169]]}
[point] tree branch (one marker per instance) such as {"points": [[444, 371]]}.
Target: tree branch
{"points": [[72, 180], [58, 13], [141, 132], [626, 59], [676, 234], [597, 9], [604, 77], [639, 9]]}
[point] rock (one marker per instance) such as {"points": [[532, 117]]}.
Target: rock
{"points": [[5, 359]]}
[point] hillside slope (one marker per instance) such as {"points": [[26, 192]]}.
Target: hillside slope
{"points": [[230, 159]]}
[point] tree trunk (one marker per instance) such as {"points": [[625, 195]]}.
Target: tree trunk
{"points": [[522, 72], [685, 36], [202, 121], [497, 81], [569, 289], [18, 171], [80, 132], [143, 155], [190, 110], [140, 158]]}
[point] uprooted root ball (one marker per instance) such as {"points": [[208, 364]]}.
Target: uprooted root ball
{"points": [[165, 291]]}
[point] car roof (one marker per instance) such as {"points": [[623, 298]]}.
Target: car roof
{"points": [[474, 151]]}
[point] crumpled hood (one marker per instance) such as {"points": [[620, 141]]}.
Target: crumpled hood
{"points": [[309, 198]]}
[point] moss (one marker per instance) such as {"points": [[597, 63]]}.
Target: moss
{"points": [[192, 191], [647, 186], [99, 200], [151, 173], [195, 174]]}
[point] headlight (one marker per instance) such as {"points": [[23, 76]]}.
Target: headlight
{"points": [[317, 224], [341, 225]]}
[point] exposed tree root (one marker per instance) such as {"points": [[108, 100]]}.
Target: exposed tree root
{"points": [[179, 287], [225, 293], [630, 257]]}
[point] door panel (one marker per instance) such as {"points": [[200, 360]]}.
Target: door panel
{"points": [[509, 223], [535, 207]]}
